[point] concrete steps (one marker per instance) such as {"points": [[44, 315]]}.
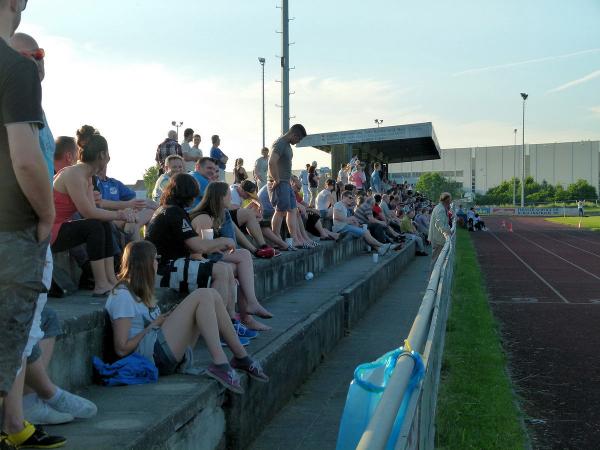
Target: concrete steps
{"points": [[194, 411]]}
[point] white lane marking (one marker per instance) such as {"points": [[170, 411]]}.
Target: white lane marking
{"points": [[559, 257], [542, 279], [571, 245]]}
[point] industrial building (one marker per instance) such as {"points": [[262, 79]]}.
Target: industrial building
{"points": [[482, 168]]}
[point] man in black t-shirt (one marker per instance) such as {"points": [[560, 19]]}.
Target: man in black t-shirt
{"points": [[26, 219]]}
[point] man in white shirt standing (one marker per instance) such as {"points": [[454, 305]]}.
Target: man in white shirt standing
{"points": [[186, 149], [261, 167], [195, 153], [304, 181], [439, 229]]}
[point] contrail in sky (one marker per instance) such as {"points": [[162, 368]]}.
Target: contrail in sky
{"points": [[521, 63], [570, 84]]}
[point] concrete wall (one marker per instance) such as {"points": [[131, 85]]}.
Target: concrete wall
{"points": [[564, 162]]}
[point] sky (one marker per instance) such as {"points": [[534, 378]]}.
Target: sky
{"points": [[130, 67]]}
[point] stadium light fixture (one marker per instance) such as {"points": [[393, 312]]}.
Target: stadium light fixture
{"points": [[524, 97]]}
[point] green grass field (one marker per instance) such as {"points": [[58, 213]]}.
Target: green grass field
{"points": [[591, 223], [476, 405]]}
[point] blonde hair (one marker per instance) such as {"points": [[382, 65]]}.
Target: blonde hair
{"points": [[137, 271], [213, 203]]}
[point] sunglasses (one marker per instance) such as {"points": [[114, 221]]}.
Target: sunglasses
{"points": [[38, 54]]}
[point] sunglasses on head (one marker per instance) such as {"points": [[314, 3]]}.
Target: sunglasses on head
{"points": [[38, 54]]}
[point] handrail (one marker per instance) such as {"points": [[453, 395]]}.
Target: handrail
{"points": [[378, 431]]}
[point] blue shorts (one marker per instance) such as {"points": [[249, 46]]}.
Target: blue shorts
{"points": [[353, 230], [282, 197], [165, 361]]}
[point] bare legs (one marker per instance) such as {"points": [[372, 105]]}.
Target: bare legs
{"points": [[104, 275], [224, 283], [291, 218], [13, 405], [247, 218], [202, 313]]}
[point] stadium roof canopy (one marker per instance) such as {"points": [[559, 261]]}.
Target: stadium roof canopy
{"points": [[395, 144]]}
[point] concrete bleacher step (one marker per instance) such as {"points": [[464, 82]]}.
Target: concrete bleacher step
{"points": [[83, 318], [185, 411]]}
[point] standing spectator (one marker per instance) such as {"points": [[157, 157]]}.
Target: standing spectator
{"points": [[239, 173], [267, 216], [376, 178], [280, 171], [25, 226], [220, 157], [304, 181], [186, 150], [173, 165], [344, 173], [28, 47], [358, 177], [167, 148], [65, 153], [196, 151], [313, 182], [261, 167], [580, 204], [439, 230]]}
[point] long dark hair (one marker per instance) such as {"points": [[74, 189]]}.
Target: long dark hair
{"points": [[181, 191], [137, 271], [213, 203]]}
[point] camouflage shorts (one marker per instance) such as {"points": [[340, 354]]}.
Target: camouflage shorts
{"points": [[22, 260]]}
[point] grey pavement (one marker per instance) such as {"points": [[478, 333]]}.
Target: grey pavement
{"points": [[311, 419]]}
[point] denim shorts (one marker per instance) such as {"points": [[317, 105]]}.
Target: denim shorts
{"points": [[50, 327], [282, 197], [353, 230], [165, 361]]}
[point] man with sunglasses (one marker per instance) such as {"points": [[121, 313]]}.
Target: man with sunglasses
{"points": [[26, 219]]}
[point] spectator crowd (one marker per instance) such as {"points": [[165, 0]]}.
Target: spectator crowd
{"points": [[196, 235]]}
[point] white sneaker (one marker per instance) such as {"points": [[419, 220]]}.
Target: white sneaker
{"points": [[383, 249], [40, 413], [77, 406]]}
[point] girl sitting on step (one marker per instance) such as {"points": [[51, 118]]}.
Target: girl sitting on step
{"points": [[139, 326], [212, 214]]}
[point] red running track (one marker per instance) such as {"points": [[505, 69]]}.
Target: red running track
{"points": [[543, 282]]}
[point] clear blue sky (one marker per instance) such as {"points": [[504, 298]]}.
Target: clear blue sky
{"points": [[131, 66]]}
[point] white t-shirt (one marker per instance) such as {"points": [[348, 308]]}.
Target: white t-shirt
{"points": [[324, 200], [343, 211], [196, 153], [236, 199], [121, 304]]}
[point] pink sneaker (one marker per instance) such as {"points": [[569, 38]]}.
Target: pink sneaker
{"points": [[228, 378]]}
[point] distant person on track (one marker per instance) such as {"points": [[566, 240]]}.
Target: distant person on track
{"points": [[580, 204], [439, 230]]}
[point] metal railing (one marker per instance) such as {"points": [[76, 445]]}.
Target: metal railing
{"points": [[427, 338]]}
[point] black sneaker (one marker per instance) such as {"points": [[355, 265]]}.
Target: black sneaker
{"points": [[39, 439]]}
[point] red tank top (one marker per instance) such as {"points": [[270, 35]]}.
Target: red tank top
{"points": [[65, 208]]}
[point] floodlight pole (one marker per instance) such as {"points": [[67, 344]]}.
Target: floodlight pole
{"points": [[524, 97], [285, 67], [177, 124], [262, 63], [515, 172]]}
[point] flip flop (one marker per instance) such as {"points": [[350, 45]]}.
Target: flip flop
{"points": [[101, 295]]}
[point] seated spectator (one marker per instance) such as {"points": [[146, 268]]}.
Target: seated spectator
{"points": [[65, 153], [246, 218], [471, 219], [138, 325], [267, 211], [410, 232], [461, 216], [115, 195], [421, 222], [310, 218], [44, 403], [73, 192], [364, 213], [203, 174], [211, 214], [325, 200], [182, 265], [344, 222], [173, 165]]}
